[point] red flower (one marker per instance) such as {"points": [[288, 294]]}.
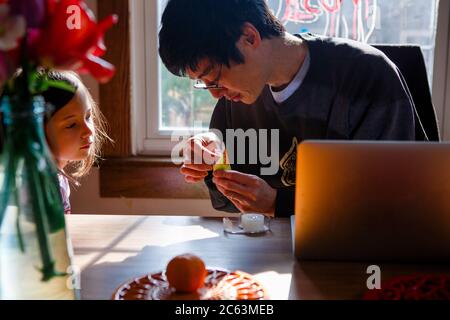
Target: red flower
{"points": [[72, 39]]}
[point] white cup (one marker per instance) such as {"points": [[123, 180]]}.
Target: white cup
{"points": [[252, 222]]}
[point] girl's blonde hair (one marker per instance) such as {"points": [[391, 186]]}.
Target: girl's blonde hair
{"points": [[77, 169]]}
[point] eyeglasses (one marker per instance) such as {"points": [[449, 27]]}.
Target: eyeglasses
{"points": [[200, 84]]}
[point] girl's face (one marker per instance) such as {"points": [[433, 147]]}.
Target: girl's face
{"points": [[70, 131]]}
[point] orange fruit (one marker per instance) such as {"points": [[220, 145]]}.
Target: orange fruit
{"points": [[186, 272]]}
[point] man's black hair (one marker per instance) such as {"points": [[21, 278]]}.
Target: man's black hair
{"points": [[192, 30]]}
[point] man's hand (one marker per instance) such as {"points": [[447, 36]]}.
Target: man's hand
{"points": [[200, 153], [247, 192]]}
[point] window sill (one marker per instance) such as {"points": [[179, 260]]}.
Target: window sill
{"points": [[146, 177]]}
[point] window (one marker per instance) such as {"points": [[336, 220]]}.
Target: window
{"points": [[164, 104], [369, 21]]}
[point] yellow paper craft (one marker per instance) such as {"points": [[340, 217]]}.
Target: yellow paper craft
{"points": [[222, 163]]}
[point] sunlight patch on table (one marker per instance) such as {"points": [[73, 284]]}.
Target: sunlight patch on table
{"points": [[171, 235], [279, 283]]}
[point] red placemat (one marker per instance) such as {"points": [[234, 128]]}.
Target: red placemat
{"points": [[413, 287], [220, 284]]}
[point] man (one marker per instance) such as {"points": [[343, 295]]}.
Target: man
{"points": [[304, 86]]}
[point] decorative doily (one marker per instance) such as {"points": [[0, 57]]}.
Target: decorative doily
{"points": [[220, 284], [413, 287]]}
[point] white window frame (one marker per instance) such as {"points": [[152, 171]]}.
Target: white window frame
{"points": [[144, 69], [145, 75], [147, 139], [441, 70]]}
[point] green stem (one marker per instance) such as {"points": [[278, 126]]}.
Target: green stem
{"points": [[26, 153], [42, 230], [9, 182], [5, 192], [19, 230]]}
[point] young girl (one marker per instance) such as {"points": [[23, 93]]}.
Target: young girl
{"points": [[74, 128]]}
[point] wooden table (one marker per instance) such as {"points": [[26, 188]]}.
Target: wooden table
{"points": [[113, 249]]}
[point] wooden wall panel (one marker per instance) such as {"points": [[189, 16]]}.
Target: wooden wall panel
{"points": [[115, 101], [138, 178]]}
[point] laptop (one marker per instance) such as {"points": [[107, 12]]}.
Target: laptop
{"points": [[372, 201]]}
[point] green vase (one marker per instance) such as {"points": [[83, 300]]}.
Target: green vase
{"points": [[35, 252]]}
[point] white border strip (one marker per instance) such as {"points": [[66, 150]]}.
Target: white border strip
{"points": [[138, 83], [441, 70]]}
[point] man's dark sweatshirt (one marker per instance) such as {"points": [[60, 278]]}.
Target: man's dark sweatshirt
{"points": [[351, 91]]}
